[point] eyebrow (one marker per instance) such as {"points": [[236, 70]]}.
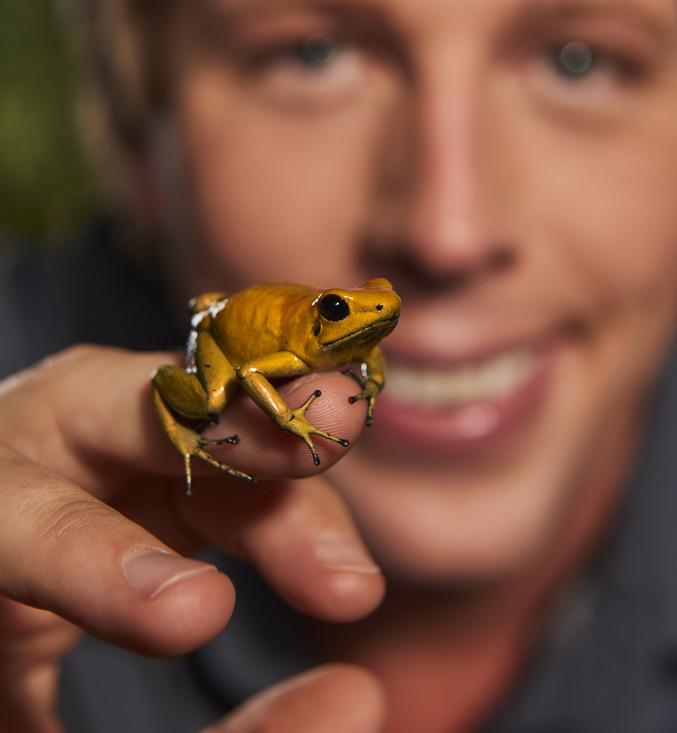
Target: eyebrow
{"points": [[651, 19], [244, 8], [225, 16]]}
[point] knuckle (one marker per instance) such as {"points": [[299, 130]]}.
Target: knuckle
{"points": [[76, 516], [73, 355]]}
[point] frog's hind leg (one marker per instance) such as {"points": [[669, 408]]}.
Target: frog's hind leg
{"points": [[201, 453], [187, 398]]}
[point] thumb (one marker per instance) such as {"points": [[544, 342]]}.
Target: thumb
{"points": [[67, 552], [337, 698]]}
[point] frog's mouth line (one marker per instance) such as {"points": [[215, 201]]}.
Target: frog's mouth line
{"points": [[387, 325]]}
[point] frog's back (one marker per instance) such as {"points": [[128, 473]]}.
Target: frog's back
{"points": [[263, 319]]}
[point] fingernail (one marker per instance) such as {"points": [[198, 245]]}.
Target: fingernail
{"points": [[149, 570], [338, 552]]}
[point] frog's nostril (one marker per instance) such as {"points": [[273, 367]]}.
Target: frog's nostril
{"points": [[379, 307]]}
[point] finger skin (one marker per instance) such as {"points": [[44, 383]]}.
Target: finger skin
{"points": [[337, 698], [62, 550], [302, 539]]}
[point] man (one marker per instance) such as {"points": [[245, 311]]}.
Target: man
{"points": [[511, 167]]}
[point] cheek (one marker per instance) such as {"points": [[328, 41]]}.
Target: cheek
{"points": [[276, 195], [628, 223], [607, 212]]}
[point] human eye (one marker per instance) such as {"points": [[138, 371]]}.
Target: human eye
{"points": [[578, 63], [308, 69], [314, 53], [593, 65]]}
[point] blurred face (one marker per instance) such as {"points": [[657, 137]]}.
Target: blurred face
{"points": [[511, 166]]}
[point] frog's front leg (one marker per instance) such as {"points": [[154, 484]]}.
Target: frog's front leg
{"points": [[197, 394], [254, 377], [372, 380]]}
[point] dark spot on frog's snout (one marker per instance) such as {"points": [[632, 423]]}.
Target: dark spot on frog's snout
{"points": [[379, 307]]}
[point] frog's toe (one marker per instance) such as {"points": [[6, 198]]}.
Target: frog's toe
{"points": [[300, 425], [357, 377], [231, 440], [209, 458], [302, 410], [370, 407], [322, 434]]}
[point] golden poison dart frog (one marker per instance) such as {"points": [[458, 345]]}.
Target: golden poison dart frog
{"points": [[266, 332]]}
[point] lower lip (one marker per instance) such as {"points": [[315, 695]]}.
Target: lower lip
{"points": [[457, 430]]}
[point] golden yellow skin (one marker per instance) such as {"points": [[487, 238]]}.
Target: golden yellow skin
{"points": [[266, 332]]}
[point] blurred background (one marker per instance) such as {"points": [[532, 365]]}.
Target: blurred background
{"points": [[46, 190]]}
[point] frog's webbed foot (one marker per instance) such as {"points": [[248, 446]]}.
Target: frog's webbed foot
{"points": [[299, 425], [370, 389], [370, 405], [209, 458], [190, 442]]}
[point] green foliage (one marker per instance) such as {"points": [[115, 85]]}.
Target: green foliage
{"points": [[45, 187]]}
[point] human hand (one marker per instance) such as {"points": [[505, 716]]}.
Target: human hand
{"points": [[95, 522], [337, 698]]}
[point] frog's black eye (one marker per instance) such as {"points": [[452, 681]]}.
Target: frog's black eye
{"points": [[334, 308]]}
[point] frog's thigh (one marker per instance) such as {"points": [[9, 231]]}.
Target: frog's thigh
{"points": [[181, 391], [215, 373]]}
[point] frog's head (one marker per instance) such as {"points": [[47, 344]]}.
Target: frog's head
{"points": [[356, 318]]}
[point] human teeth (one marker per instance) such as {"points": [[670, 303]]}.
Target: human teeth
{"points": [[446, 387]]}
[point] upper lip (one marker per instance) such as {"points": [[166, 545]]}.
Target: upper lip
{"points": [[445, 354], [446, 330]]}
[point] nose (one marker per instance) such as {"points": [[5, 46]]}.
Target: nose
{"points": [[453, 225]]}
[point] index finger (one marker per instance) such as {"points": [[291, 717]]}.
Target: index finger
{"points": [[95, 410]]}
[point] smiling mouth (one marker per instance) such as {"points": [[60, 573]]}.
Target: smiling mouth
{"points": [[439, 388], [378, 328]]}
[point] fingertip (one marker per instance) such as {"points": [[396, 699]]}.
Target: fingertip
{"points": [[322, 569], [336, 698], [150, 570], [353, 585], [79, 558], [333, 411], [174, 612], [271, 453]]}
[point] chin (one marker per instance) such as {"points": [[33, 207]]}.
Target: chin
{"points": [[435, 529], [475, 550]]}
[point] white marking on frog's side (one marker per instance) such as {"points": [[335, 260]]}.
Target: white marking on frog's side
{"points": [[212, 311], [191, 347], [191, 344], [217, 306]]}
